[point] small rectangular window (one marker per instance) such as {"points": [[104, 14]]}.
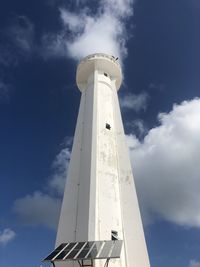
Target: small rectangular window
{"points": [[108, 126], [114, 235]]}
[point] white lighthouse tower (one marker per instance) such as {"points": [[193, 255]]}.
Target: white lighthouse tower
{"points": [[100, 199]]}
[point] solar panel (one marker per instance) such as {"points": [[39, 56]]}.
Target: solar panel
{"points": [[57, 251], [62, 246], [106, 250], [86, 251], [66, 251], [83, 254], [116, 249], [95, 250]]}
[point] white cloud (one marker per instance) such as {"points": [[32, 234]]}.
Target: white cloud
{"points": [[6, 236], [136, 126], [71, 20], [60, 166], [134, 102], [99, 35], [38, 209], [132, 141], [166, 166], [120, 7], [41, 208], [85, 33], [194, 263]]}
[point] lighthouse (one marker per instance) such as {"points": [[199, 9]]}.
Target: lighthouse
{"points": [[100, 201]]}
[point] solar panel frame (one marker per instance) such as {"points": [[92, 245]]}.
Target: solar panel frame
{"points": [[106, 249]]}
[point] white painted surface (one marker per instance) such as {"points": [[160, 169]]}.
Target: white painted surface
{"points": [[100, 193]]}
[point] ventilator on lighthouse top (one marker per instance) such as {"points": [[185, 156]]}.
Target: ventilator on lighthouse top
{"points": [[100, 222]]}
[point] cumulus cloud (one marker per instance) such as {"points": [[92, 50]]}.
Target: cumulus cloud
{"points": [[41, 207], [38, 209], [6, 236], [137, 127], [84, 32], [194, 263], [60, 167], [134, 102], [166, 166]]}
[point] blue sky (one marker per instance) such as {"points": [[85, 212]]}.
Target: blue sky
{"points": [[158, 44]]}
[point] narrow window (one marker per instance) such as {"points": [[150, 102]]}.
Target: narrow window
{"points": [[105, 74], [114, 235], [108, 126]]}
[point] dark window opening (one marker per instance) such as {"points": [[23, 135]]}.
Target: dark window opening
{"points": [[105, 74], [108, 126], [114, 235]]}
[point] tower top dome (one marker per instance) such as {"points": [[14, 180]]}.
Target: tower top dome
{"points": [[102, 62]]}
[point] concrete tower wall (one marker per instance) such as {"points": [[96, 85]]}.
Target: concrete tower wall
{"points": [[100, 193]]}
